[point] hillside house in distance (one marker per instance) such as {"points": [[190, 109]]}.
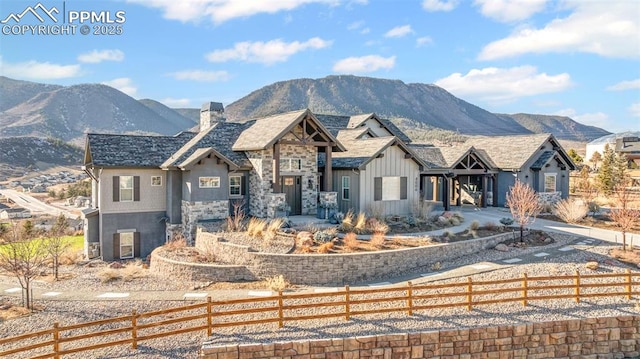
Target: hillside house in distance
{"points": [[146, 188]]}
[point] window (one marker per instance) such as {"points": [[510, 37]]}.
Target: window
{"points": [[209, 182], [156, 181], [235, 185], [549, 182], [126, 245], [290, 165], [389, 188], [346, 186], [126, 188]]}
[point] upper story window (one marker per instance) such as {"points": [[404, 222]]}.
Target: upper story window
{"points": [[156, 181], [126, 188], [209, 182], [290, 164], [549, 182]]}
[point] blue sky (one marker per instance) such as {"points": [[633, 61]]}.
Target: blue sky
{"points": [[575, 58]]}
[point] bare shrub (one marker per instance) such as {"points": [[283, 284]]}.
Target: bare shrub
{"points": [[361, 223], [235, 222], [177, 241], [491, 226], [377, 240], [422, 209], [133, 270], [107, 275], [256, 227], [277, 283], [524, 204], [70, 257], [571, 210], [350, 241], [325, 247], [475, 225], [624, 214]]}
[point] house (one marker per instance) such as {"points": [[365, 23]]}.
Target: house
{"points": [[15, 213], [145, 189], [481, 170]]}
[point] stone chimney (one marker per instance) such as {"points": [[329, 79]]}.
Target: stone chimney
{"points": [[210, 114]]}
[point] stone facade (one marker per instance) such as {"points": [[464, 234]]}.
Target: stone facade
{"points": [[275, 201], [341, 269], [550, 198], [590, 338], [192, 212], [261, 176]]}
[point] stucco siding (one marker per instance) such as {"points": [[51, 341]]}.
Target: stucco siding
{"points": [[149, 224], [392, 164], [376, 128], [209, 167], [152, 198]]}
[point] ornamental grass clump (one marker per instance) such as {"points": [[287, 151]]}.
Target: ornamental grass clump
{"points": [[256, 227], [361, 223], [350, 242], [571, 210]]}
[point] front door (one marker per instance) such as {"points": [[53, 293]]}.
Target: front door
{"points": [[292, 188]]}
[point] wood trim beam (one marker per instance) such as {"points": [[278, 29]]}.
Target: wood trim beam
{"points": [[306, 143], [276, 187], [328, 176]]}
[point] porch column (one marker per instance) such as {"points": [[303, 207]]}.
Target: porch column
{"points": [[484, 191], [494, 179], [328, 186], [446, 196], [458, 192], [434, 194], [276, 187]]}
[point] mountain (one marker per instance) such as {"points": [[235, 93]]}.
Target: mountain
{"points": [[561, 126], [172, 115], [69, 112], [412, 105], [20, 153]]}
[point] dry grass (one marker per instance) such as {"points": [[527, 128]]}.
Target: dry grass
{"points": [[350, 242], [256, 227], [176, 243], [9, 311], [347, 222], [571, 210], [133, 270], [273, 228], [325, 248], [378, 227], [628, 256], [107, 275], [377, 240], [361, 223], [277, 283], [70, 257]]}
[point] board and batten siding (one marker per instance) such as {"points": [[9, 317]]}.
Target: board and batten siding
{"points": [[353, 203], [392, 164], [152, 198]]}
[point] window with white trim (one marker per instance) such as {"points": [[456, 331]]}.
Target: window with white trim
{"points": [[126, 245], [209, 182], [550, 182], [389, 188], [290, 165], [156, 181], [346, 187], [126, 188], [235, 183]]}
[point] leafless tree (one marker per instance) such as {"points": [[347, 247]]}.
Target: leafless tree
{"points": [[524, 204], [624, 215], [56, 243], [23, 257]]}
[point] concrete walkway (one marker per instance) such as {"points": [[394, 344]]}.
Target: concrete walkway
{"points": [[587, 236]]}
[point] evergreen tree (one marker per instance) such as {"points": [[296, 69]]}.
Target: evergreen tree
{"points": [[605, 177], [577, 159]]}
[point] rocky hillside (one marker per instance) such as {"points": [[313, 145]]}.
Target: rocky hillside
{"points": [[69, 112], [420, 104], [21, 153]]}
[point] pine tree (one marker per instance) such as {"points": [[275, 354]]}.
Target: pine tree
{"points": [[577, 159], [605, 177]]}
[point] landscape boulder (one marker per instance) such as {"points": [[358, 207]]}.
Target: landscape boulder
{"points": [[502, 247]]}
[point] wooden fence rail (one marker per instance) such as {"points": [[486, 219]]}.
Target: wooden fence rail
{"points": [[345, 303]]}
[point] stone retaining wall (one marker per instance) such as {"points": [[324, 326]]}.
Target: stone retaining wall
{"points": [[591, 338], [197, 272], [340, 269]]}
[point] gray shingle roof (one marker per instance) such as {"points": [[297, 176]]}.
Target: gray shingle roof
{"points": [[265, 131], [219, 137], [429, 154], [542, 159], [333, 123], [133, 151], [509, 152]]}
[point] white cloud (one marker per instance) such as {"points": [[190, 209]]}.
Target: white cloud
{"points": [[268, 52], [439, 5], [422, 41], [219, 11], [504, 84], [358, 26], [510, 10], [370, 63], [634, 109], [97, 56], [200, 75], [124, 84], [399, 31], [605, 28], [625, 85], [34, 70], [176, 102]]}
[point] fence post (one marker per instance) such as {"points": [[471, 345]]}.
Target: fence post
{"points": [[577, 287], [346, 303], [469, 293], [280, 310], [525, 286], [134, 329], [209, 319], [410, 298], [56, 338], [629, 284]]}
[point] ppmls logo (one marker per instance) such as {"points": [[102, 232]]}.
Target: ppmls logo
{"points": [[57, 20]]}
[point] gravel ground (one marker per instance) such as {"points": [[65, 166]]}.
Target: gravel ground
{"points": [[187, 345]]}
